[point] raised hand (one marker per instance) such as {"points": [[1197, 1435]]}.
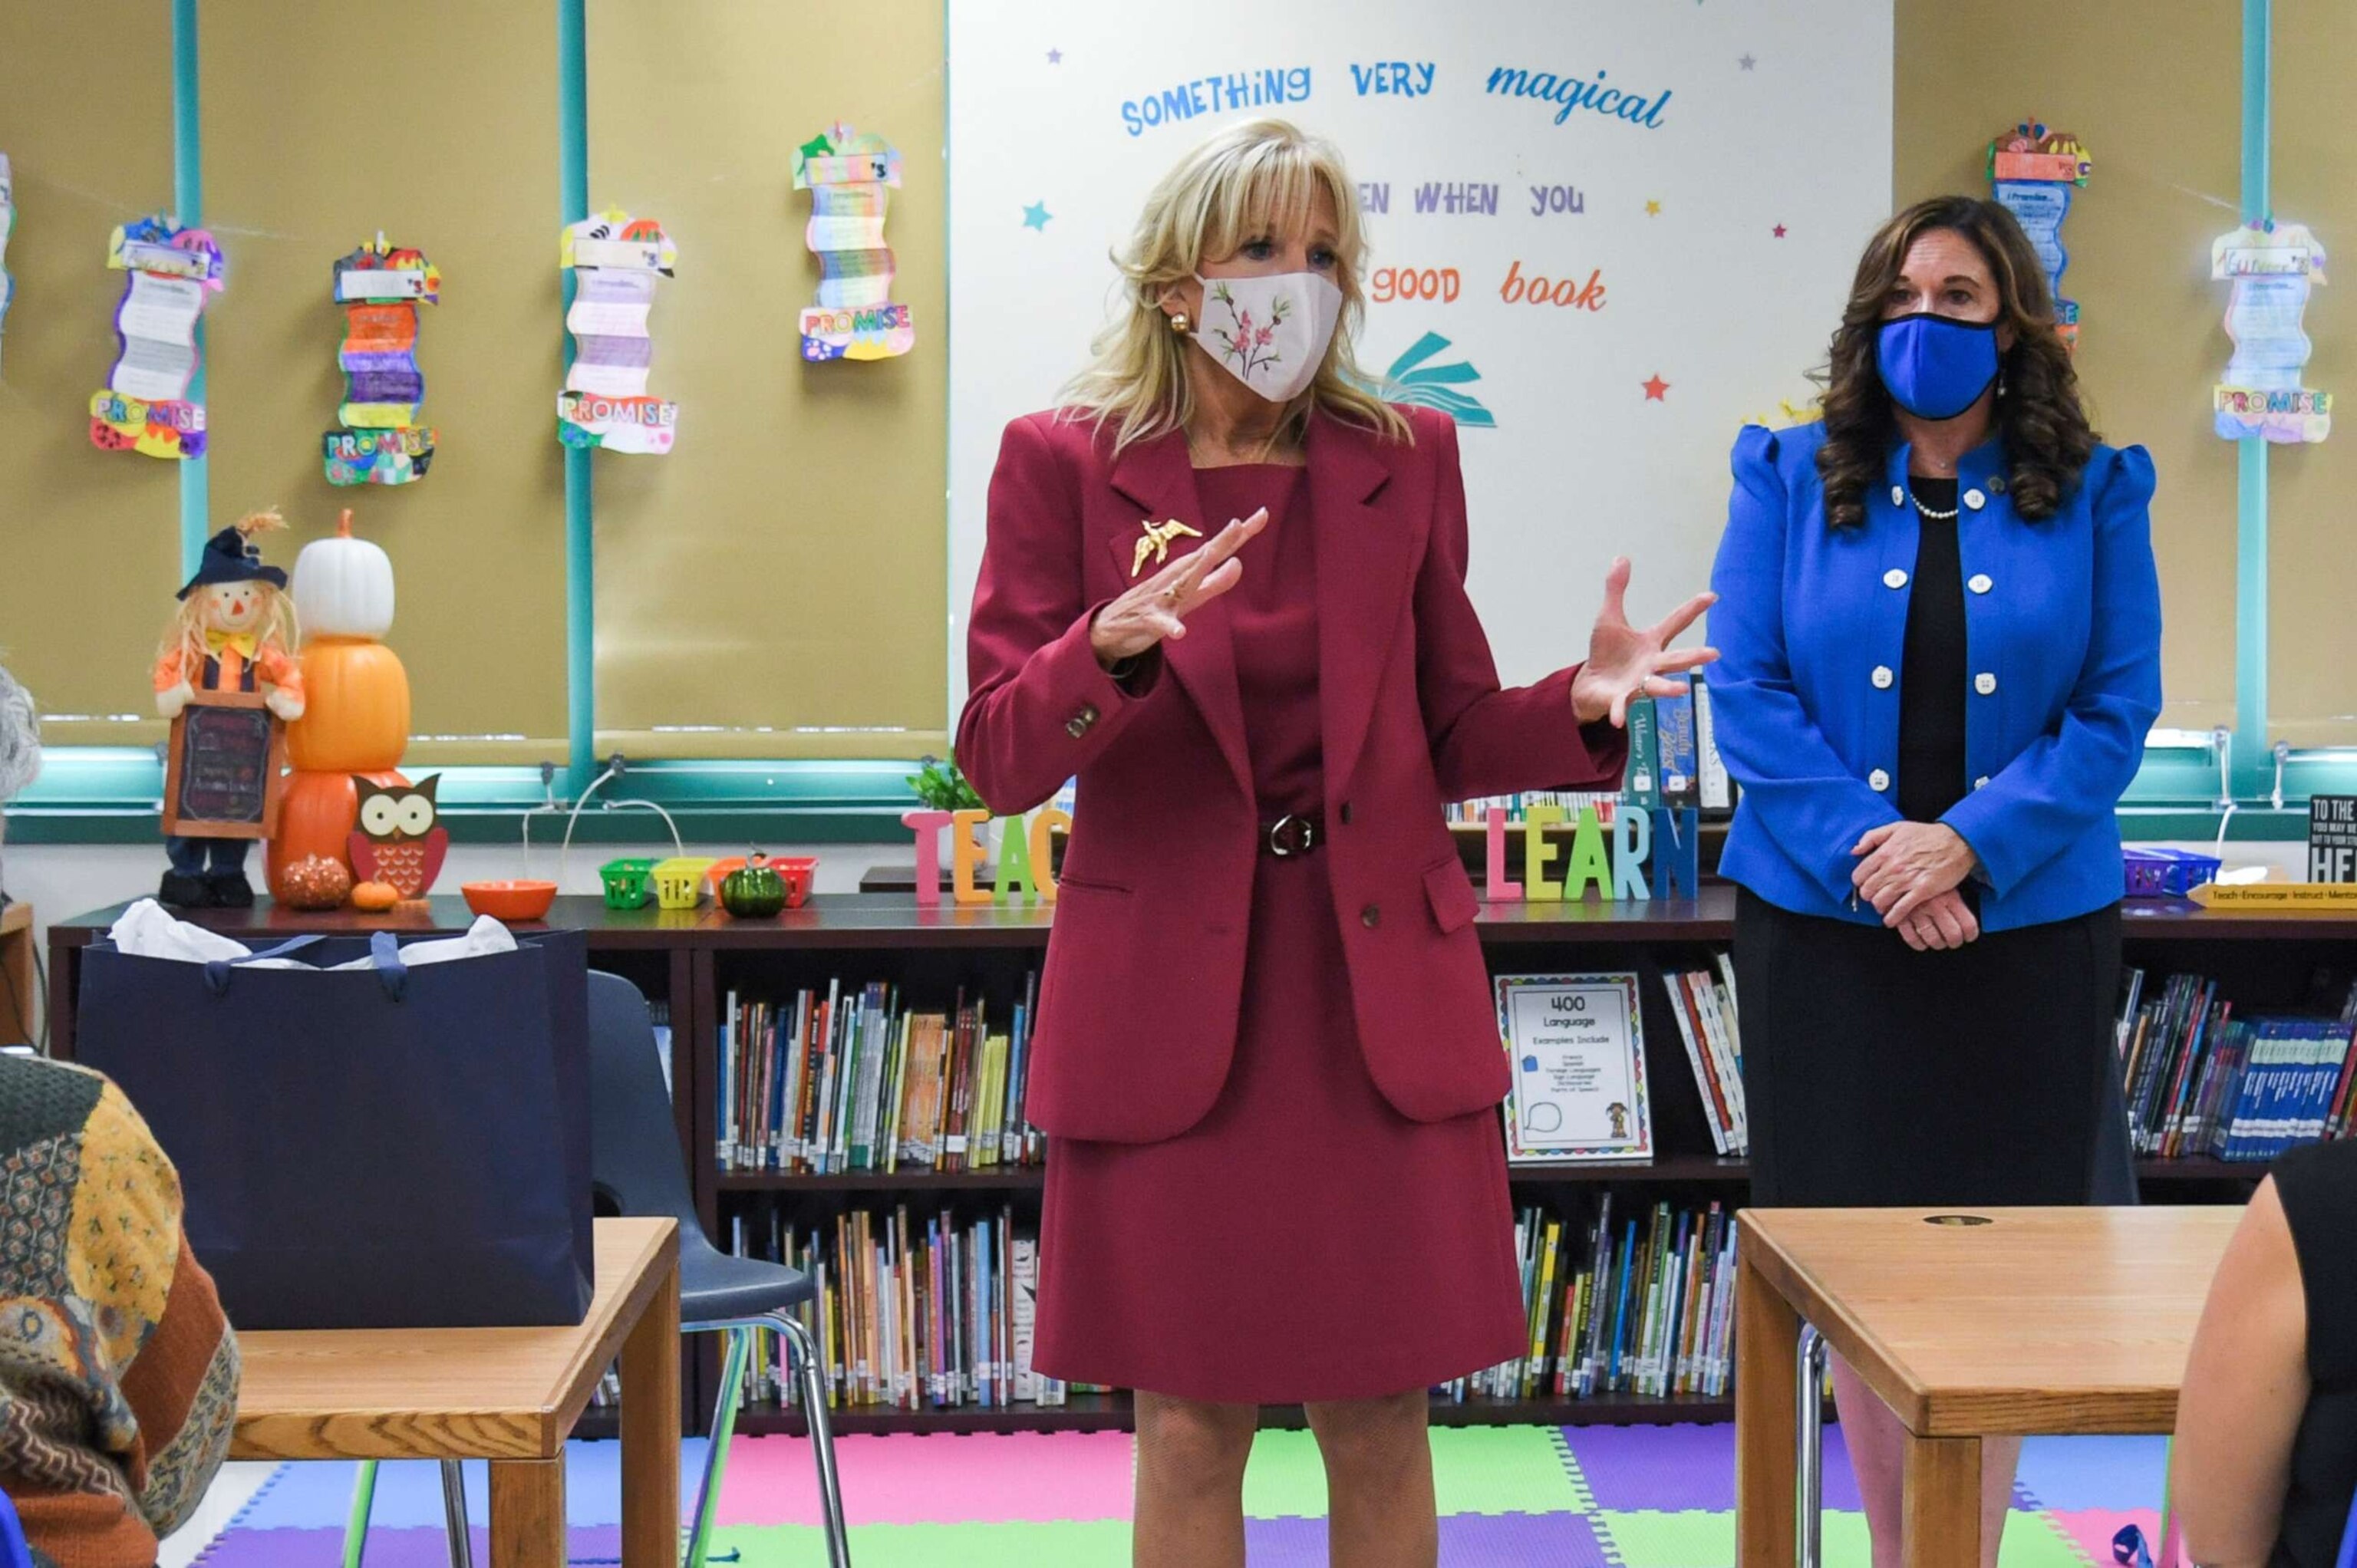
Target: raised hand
{"points": [[1625, 663], [1158, 606]]}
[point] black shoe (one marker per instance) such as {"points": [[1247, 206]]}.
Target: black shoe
{"points": [[181, 892], [230, 890]]}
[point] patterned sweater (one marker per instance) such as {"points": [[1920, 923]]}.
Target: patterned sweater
{"points": [[118, 1373]]}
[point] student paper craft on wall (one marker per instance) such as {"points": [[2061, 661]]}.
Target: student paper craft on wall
{"points": [[615, 259], [380, 441], [144, 407], [850, 178], [7, 220], [2035, 170], [2271, 265]]}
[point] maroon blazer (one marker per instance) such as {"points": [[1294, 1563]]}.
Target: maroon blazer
{"points": [[1137, 1007]]}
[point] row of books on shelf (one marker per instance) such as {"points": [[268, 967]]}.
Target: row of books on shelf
{"points": [[2200, 1080], [1674, 760], [922, 1312], [1639, 1305], [857, 1079], [1703, 1002], [932, 1312]]}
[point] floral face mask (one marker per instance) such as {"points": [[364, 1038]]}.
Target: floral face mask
{"points": [[1270, 332]]}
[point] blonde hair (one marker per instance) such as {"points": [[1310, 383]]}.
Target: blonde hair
{"points": [[1259, 177], [185, 638]]}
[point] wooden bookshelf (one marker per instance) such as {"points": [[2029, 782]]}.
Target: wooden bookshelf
{"points": [[690, 960]]}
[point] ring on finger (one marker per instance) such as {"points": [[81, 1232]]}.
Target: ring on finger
{"points": [[1170, 593]]}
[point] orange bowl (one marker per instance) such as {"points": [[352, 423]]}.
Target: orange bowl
{"points": [[509, 900]]}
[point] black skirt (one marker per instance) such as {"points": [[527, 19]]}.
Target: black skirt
{"points": [[1877, 1075]]}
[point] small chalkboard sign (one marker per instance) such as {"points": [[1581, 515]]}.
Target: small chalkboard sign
{"points": [[222, 776], [2332, 838]]}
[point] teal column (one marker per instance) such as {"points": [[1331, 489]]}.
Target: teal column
{"points": [[580, 538], [189, 206], [2253, 770]]}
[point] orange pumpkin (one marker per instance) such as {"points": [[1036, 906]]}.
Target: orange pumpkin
{"points": [[356, 708], [376, 898], [316, 815]]}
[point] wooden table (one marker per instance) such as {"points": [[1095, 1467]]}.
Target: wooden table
{"points": [[2040, 1320], [18, 994], [507, 1395]]}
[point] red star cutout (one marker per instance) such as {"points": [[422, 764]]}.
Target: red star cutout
{"points": [[1654, 387], [1780, 231]]}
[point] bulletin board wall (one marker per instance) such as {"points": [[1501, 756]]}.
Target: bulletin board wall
{"points": [[90, 538]]}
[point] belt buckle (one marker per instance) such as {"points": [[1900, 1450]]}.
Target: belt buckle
{"points": [[1290, 835]]}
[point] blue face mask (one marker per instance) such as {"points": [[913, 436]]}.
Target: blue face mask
{"points": [[1936, 366]]}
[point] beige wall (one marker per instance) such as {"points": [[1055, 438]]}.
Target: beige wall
{"points": [[2153, 91]]}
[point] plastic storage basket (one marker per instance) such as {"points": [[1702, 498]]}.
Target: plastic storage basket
{"points": [[679, 881], [628, 883], [2166, 873]]}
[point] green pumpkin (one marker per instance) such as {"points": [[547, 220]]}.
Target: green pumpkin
{"points": [[754, 891]]}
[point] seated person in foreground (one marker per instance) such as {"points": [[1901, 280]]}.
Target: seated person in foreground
{"points": [[118, 1373], [2265, 1458]]}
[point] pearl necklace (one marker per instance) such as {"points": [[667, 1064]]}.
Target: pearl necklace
{"points": [[1947, 516]]}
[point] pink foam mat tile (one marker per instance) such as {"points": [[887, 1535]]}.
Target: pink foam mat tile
{"points": [[2090, 1530], [946, 1479]]}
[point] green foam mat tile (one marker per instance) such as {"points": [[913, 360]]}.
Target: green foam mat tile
{"points": [[1285, 1479], [1082, 1544], [1697, 1538], [2036, 1540], [1503, 1469]]}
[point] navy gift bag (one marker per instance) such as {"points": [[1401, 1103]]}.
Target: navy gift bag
{"points": [[384, 1147]]}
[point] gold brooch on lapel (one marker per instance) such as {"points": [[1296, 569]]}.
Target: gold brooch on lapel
{"points": [[1157, 542]]}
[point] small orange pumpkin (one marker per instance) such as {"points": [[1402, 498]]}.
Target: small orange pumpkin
{"points": [[376, 898]]}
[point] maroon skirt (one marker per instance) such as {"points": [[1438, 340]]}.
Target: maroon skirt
{"points": [[1304, 1241]]}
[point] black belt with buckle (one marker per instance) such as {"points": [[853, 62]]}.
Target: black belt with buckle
{"points": [[1292, 834]]}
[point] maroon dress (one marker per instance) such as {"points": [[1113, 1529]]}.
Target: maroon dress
{"points": [[1304, 1241]]}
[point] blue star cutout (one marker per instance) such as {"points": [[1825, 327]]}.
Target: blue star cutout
{"points": [[1055, 57], [1747, 62], [1035, 216]]}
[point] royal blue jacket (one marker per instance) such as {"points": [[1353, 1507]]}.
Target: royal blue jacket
{"points": [[2062, 638]]}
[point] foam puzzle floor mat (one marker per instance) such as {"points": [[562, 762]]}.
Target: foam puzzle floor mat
{"points": [[1532, 1497]]}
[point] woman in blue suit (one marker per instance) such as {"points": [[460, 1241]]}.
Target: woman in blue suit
{"points": [[1939, 635]]}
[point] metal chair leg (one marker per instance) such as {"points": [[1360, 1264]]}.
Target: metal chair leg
{"points": [[802, 1349], [737, 1350], [454, 1515], [1810, 1469], [364, 1504]]}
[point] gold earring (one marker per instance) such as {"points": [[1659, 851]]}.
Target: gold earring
{"points": [[1179, 324]]}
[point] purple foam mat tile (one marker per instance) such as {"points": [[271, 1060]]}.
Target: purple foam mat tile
{"points": [[2071, 1474], [1525, 1540], [317, 1495], [1467, 1541], [1675, 1469], [386, 1548]]}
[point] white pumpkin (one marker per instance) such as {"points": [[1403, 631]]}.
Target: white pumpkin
{"points": [[343, 586]]}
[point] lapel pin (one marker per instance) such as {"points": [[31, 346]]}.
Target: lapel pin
{"points": [[1157, 542]]}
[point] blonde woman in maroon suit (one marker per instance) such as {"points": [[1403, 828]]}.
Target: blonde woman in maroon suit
{"points": [[1266, 1061]]}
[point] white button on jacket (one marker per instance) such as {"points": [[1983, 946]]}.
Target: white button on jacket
{"points": [[1985, 683]]}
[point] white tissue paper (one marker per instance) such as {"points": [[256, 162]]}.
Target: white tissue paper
{"points": [[146, 930]]}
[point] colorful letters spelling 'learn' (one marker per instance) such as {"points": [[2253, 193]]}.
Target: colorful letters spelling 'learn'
{"points": [[144, 406], [850, 179], [380, 442], [614, 260]]}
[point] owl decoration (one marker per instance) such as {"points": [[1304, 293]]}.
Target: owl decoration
{"points": [[400, 839]]}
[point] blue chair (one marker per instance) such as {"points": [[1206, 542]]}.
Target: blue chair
{"points": [[13, 1551], [635, 1168]]}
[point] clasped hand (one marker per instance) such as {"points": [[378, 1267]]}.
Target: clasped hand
{"points": [[1910, 872]]}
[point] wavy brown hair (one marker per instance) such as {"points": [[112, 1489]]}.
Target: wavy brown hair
{"points": [[2038, 416]]}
